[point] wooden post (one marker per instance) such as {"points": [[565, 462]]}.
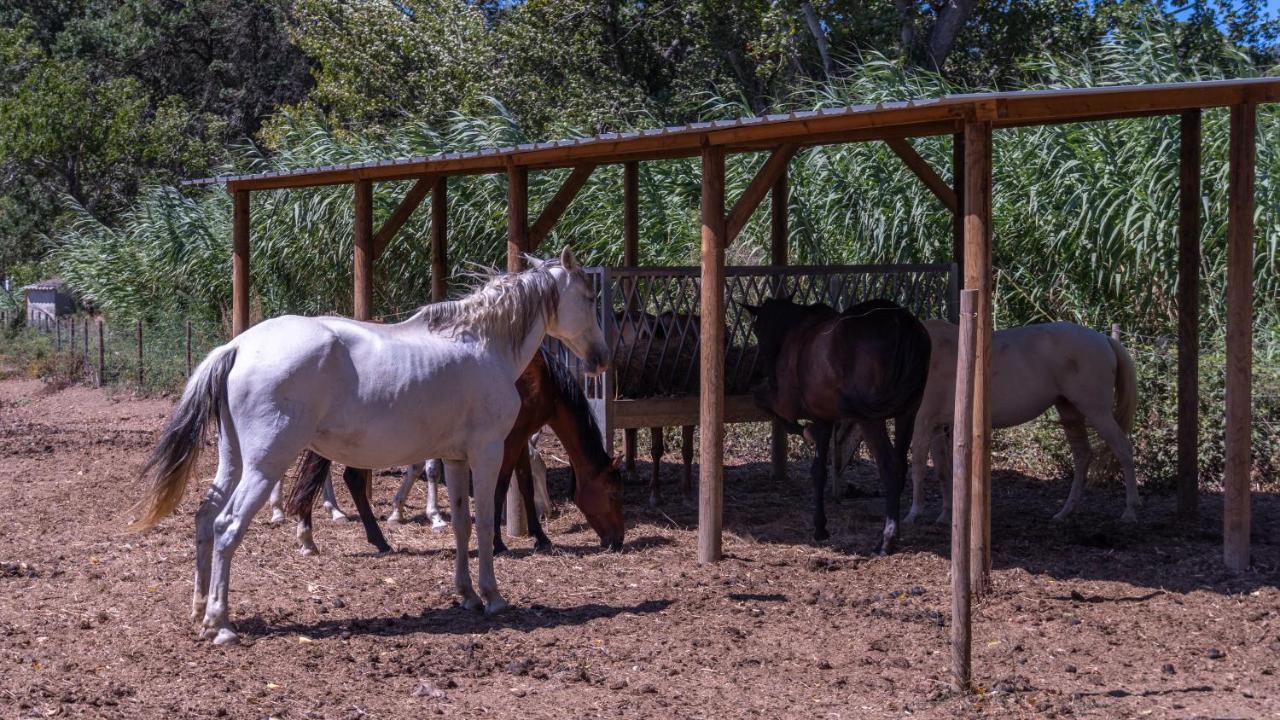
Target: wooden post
{"points": [[362, 304], [961, 493], [439, 240], [517, 246], [102, 356], [1236, 478], [630, 258], [240, 262], [1188, 473], [140, 373], [57, 334], [977, 276], [188, 347], [711, 390], [957, 218], [778, 255]]}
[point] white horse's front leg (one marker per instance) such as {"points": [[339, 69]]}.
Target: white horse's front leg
{"points": [[214, 500], [484, 472], [432, 475], [457, 480], [331, 502]]}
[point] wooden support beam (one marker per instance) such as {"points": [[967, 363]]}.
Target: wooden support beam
{"points": [[400, 215], [768, 174], [440, 239], [559, 203], [240, 262], [778, 255], [517, 246], [711, 394], [903, 149], [957, 218], [977, 276], [362, 305], [961, 493], [631, 214], [1189, 314], [1236, 479], [630, 258]]}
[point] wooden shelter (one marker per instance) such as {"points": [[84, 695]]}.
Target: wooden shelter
{"points": [[970, 120]]}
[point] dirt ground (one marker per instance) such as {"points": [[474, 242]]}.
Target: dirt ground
{"points": [[1089, 618]]}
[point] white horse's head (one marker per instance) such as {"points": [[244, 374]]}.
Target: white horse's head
{"points": [[575, 321]]}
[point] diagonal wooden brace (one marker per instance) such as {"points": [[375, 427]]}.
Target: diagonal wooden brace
{"points": [[902, 148], [768, 174], [411, 201], [554, 209]]}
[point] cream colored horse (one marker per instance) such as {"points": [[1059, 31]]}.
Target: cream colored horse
{"points": [[1086, 375]]}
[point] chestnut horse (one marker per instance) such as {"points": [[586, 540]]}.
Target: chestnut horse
{"points": [[864, 365], [549, 395]]}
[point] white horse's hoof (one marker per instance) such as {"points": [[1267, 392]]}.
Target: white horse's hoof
{"points": [[1129, 516], [226, 636], [394, 518], [277, 516], [472, 601], [308, 550], [1061, 515], [438, 525], [495, 606], [337, 515]]}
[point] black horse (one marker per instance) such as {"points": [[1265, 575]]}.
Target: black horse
{"points": [[864, 365]]}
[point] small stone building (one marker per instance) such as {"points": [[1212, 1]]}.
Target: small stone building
{"points": [[46, 300]]}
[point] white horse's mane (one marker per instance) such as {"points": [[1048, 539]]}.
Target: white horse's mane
{"points": [[506, 306]]}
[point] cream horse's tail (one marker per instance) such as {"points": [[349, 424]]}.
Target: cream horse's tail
{"points": [[174, 458], [1126, 387]]}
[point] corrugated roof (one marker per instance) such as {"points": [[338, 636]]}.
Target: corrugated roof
{"points": [[50, 284]]}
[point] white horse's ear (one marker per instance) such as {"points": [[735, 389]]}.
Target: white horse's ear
{"points": [[567, 260]]}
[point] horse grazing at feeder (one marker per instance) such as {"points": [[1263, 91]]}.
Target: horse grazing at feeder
{"points": [[864, 365], [440, 384], [1089, 377], [549, 395]]}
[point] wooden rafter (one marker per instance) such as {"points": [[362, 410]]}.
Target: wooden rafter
{"points": [[554, 209], [400, 216], [768, 174], [903, 149]]}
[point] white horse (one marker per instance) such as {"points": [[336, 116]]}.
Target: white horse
{"points": [[431, 472], [1087, 376], [440, 384]]}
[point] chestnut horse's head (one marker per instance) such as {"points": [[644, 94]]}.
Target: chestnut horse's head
{"points": [[599, 496]]}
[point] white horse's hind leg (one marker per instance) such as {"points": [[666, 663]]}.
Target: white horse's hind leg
{"points": [[277, 507], [433, 474], [456, 478], [541, 498], [411, 473], [1120, 445], [331, 502], [940, 449], [484, 471], [1081, 455], [921, 442], [214, 500], [248, 497]]}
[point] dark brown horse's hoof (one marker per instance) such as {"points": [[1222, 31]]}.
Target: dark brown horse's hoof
{"points": [[544, 547], [499, 548]]}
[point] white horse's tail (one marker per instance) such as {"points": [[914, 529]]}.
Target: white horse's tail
{"points": [[1126, 387], [175, 456]]}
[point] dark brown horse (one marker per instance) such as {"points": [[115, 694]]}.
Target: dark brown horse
{"points": [[549, 395], [864, 365]]}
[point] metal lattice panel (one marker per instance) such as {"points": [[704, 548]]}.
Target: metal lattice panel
{"points": [[651, 321]]}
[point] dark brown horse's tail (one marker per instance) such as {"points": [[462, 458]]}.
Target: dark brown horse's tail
{"points": [[315, 469], [175, 456]]}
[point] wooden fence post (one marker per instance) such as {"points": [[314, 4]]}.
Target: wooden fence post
{"points": [[631, 258], [102, 357], [711, 352], [240, 262], [140, 375], [1188, 474], [439, 240], [86, 339], [961, 494], [778, 255], [517, 246], [977, 276], [57, 325], [1237, 480]]}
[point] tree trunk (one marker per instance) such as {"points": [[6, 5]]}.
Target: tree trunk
{"points": [[819, 36], [907, 38], [951, 18]]}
